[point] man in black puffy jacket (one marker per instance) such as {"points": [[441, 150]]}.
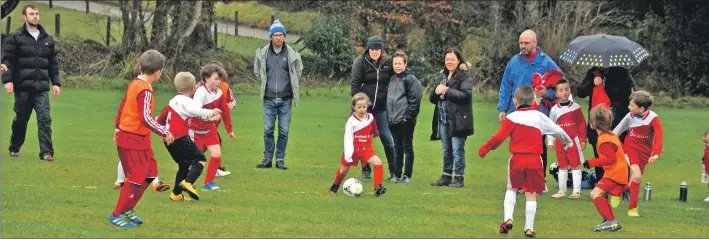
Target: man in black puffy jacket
{"points": [[31, 70]]}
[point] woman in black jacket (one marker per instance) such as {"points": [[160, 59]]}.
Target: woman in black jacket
{"points": [[619, 85], [371, 72], [453, 116]]}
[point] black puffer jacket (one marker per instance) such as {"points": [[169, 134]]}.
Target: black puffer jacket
{"points": [[619, 86], [460, 103], [372, 78], [32, 65]]}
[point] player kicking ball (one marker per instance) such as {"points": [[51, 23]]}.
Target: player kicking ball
{"points": [[359, 132]]}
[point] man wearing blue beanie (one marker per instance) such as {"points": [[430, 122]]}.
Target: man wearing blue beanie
{"points": [[279, 67], [277, 27]]}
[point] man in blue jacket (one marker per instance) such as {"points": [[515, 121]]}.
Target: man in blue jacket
{"points": [[519, 70]]}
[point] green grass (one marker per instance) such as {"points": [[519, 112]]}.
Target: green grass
{"points": [[259, 16], [78, 24], [72, 196]]}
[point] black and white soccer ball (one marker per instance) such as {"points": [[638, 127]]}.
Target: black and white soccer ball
{"points": [[352, 187]]}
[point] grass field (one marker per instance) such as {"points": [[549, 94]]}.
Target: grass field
{"points": [[72, 196], [78, 24]]}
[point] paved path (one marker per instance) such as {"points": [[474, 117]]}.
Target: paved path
{"points": [[115, 11]]}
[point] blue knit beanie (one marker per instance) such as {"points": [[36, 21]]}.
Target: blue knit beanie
{"points": [[277, 27]]}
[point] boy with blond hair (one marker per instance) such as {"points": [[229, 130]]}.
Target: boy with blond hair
{"points": [[612, 159], [184, 151]]}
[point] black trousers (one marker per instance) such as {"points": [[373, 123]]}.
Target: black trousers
{"points": [[187, 156], [592, 137], [24, 103], [403, 134]]}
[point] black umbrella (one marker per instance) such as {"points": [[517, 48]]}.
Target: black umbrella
{"points": [[604, 51]]}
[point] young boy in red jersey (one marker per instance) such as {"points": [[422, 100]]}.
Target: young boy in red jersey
{"points": [[134, 122], [359, 132], [568, 115], [209, 96], [524, 127], [643, 143], [612, 159], [184, 151]]}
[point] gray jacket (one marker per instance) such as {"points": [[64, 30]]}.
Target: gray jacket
{"points": [[295, 66], [403, 98]]}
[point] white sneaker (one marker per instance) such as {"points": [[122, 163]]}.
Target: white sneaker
{"points": [[706, 199], [221, 173]]}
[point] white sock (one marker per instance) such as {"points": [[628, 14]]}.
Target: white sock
{"points": [[156, 181], [531, 210], [509, 206], [563, 176], [576, 178], [121, 176]]}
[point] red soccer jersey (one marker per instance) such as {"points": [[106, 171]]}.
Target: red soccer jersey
{"points": [[210, 100], [571, 119], [178, 111], [359, 134], [644, 134], [525, 127]]}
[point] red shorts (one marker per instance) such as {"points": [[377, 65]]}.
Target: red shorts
{"points": [[569, 157], [637, 158], [203, 141], [526, 172], [358, 156], [138, 165], [611, 187]]}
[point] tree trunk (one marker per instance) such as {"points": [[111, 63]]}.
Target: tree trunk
{"points": [[159, 33], [140, 23], [128, 43], [201, 38]]}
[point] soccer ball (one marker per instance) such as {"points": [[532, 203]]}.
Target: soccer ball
{"points": [[352, 187]]}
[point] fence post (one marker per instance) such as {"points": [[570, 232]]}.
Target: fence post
{"points": [[57, 23], [236, 23], [108, 32], [50, 3], [87, 6], [7, 28], [216, 34], [273, 18]]}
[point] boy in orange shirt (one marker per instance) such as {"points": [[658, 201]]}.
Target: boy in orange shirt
{"points": [[612, 159], [134, 123]]}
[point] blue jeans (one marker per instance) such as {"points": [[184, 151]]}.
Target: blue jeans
{"points": [[276, 108], [386, 138], [453, 153]]}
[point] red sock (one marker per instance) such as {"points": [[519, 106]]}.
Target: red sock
{"points": [[213, 166], [338, 177], [124, 200], [634, 194], [138, 193], [604, 208], [378, 175]]}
